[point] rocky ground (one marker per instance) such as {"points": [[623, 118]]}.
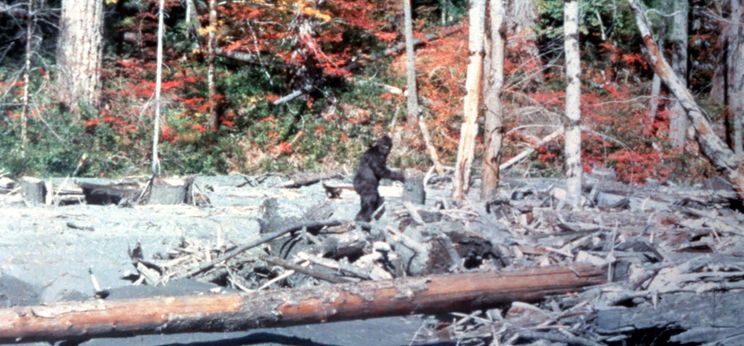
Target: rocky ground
{"points": [[660, 245]]}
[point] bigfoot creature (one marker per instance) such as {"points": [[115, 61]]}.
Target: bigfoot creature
{"points": [[372, 169]]}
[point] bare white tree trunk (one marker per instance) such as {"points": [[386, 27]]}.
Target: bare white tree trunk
{"points": [[211, 45], [719, 154], [30, 28], [473, 86], [573, 102], [79, 52], [494, 124], [413, 107], [678, 40], [158, 85], [735, 61]]}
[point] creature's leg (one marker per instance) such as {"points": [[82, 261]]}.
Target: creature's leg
{"points": [[369, 202]]}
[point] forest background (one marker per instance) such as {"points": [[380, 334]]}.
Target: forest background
{"points": [[291, 85]]}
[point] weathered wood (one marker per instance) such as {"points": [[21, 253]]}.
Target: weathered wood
{"points": [[710, 317], [33, 190], [473, 99], [572, 135], [265, 238], [494, 113], [169, 191], [413, 187], [285, 307], [109, 193], [307, 181], [714, 148]]}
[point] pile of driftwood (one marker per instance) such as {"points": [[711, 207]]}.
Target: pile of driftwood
{"points": [[653, 264]]}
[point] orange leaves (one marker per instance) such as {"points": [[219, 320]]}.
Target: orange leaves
{"points": [[286, 148], [386, 36], [634, 166], [167, 134]]}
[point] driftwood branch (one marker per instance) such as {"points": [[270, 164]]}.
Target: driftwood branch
{"points": [[310, 181], [521, 156], [266, 238], [275, 308]]}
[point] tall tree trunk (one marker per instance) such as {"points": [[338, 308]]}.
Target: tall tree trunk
{"points": [[494, 124], [572, 136], [211, 45], [30, 28], [413, 107], [158, 84], [79, 52], [735, 78], [719, 154], [473, 86], [678, 41]]}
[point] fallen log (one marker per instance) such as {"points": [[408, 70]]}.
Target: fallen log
{"points": [[285, 307]]}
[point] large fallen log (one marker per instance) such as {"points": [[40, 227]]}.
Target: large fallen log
{"points": [[285, 307]]}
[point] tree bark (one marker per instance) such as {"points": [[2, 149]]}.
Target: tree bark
{"points": [[474, 89], [211, 45], [30, 28], [735, 78], [572, 136], [720, 155], [80, 52], [494, 124], [656, 82], [678, 42], [158, 83], [413, 108], [286, 307]]}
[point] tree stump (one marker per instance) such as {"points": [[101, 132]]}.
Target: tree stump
{"points": [[413, 188], [33, 190], [169, 191]]}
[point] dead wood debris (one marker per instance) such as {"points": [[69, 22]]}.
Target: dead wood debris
{"points": [[662, 247]]}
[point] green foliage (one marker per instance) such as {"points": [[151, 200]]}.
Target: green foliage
{"points": [[601, 18]]}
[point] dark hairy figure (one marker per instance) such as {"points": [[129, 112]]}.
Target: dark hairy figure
{"points": [[372, 169]]}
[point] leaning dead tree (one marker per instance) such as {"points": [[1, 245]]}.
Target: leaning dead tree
{"points": [[285, 307], [713, 147]]}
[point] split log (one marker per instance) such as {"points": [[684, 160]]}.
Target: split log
{"points": [[413, 188], [33, 190], [170, 191], [286, 307], [713, 147]]}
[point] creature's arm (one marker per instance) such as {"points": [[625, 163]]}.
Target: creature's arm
{"points": [[382, 171]]}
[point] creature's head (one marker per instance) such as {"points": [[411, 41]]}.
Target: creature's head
{"points": [[383, 145]]}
